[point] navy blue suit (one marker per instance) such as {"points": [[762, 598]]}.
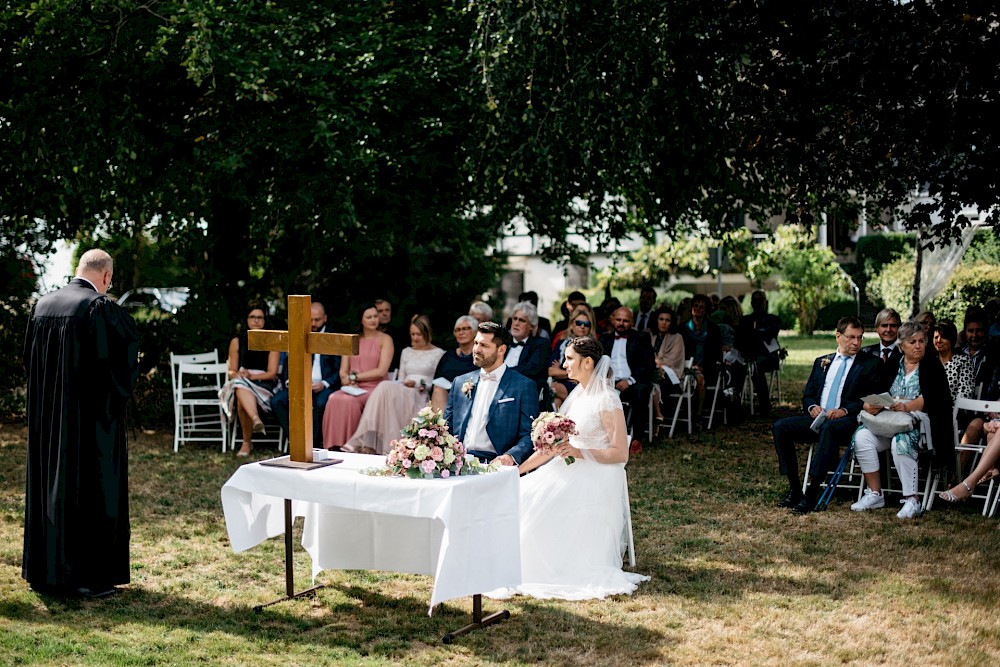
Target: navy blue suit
{"points": [[330, 369], [861, 380], [641, 361], [534, 361], [508, 424]]}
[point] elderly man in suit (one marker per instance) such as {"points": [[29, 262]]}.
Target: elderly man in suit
{"points": [[325, 380], [835, 387], [886, 350], [490, 410], [632, 362], [528, 354]]}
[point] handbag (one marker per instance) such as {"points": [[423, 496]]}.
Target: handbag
{"points": [[887, 423]]}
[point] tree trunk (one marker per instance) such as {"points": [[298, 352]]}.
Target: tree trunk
{"points": [[919, 262]]}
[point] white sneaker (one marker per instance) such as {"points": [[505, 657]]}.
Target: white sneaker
{"points": [[869, 501], [911, 509]]}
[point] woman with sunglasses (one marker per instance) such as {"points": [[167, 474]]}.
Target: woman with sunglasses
{"points": [[581, 323]]}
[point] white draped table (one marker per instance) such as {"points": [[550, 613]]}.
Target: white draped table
{"points": [[462, 530]]}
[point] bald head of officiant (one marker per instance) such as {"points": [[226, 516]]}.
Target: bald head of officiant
{"points": [[97, 268]]}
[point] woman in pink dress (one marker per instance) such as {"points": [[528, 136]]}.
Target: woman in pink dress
{"points": [[364, 371]]}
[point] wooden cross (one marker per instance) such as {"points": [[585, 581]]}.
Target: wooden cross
{"points": [[300, 342]]}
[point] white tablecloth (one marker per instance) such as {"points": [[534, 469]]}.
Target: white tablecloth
{"points": [[463, 530]]}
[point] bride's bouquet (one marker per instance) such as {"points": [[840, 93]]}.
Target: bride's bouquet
{"points": [[428, 450], [550, 429]]}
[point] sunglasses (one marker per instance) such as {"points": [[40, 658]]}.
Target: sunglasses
{"points": [[581, 323]]}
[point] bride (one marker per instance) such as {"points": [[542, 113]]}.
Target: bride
{"points": [[573, 516]]}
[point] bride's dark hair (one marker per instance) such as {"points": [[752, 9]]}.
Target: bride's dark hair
{"points": [[586, 346]]}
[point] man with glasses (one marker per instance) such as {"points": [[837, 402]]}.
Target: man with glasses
{"points": [[834, 390], [528, 354]]}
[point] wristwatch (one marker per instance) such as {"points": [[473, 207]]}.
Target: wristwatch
{"points": [[353, 377]]}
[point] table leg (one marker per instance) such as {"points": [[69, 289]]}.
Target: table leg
{"points": [[478, 621], [290, 593]]}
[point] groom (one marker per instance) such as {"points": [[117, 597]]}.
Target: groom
{"points": [[491, 410]]}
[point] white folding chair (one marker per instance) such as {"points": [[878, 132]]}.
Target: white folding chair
{"points": [[629, 538], [198, 392], [189, 414], [971, 405], [688, 384], [717, 393]]}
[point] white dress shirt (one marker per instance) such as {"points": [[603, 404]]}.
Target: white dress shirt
{"points": [[619, 360], [476, 436], [831, 373], [514, 354]]}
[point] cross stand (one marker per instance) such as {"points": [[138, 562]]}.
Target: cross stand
{"points": [[290, 593], [300, 343], [478, 622]]}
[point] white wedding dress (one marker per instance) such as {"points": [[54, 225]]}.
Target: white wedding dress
{"points": [[573, 531]]}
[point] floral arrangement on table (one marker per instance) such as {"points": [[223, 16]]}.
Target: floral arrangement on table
{"points": [[549, 430], [427, 450]]}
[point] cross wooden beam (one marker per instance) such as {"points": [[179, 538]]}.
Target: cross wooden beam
{"points": [[300, 342]]}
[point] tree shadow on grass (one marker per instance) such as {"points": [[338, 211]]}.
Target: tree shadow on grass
{"points": [[359, 620]]}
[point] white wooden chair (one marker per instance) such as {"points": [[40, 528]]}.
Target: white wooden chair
{"points": [[190, 415], [972, 405], [198, 396], [718, 399], [688, 385]]}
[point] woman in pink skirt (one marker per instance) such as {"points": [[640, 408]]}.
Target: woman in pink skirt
{"points": [[364, 371]]}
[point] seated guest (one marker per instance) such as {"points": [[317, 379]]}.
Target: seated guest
{"points": [[543, 329], [703, 343], [400, 337], [976, 328], [920, 385], [253, 375], [363, 371], [927, 320], [528, 355], [668, 346], [325, 380], [603, 313], [645, 315], [757, 342], [957, 366], [731, 317], [393, 404], [454, 362], [632, 364], [481, 311], [683, 313], [887, 348], [573, 299], [835, 387], [984, 471], [581, 324]]}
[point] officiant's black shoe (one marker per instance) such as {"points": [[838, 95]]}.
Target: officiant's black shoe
{"points": [[791, 499], [92, 594]]}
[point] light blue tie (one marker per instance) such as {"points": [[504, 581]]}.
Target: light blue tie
{"points": [[831, 398]]}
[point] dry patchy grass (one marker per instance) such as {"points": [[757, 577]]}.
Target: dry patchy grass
{"points": [[735, 580]]}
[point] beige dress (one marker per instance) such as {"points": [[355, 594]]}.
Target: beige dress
{"points": [[392, 404]]}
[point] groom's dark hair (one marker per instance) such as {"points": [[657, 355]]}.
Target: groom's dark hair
{"points": [[500, 335], [588, 346]]}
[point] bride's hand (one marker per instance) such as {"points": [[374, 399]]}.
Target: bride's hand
{"points": [[565, 449]]}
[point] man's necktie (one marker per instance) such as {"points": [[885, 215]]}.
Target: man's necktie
{"points": [[885, 355], [831, 398], [642, 322]]}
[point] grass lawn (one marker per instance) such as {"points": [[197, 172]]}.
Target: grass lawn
{"points": [[735, 580]]}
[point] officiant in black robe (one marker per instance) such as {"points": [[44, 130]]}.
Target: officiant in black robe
{"points": [[80, 352]]}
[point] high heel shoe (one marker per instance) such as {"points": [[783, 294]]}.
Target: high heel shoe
{"points": [[258, 426], [950, 497]]}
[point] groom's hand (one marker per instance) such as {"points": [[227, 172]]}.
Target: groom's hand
{"points": [[506, 460]]}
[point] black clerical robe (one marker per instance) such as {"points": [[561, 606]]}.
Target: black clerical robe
{"points": [[80, 352]]}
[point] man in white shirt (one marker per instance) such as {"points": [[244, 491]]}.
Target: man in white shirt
{"points": [[528, 354], [491, 409], [325, 380]]}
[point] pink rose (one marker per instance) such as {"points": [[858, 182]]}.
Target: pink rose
{"points": [[406, 463], [437, 453], [549, 438], [445, 473], [428, 466]]}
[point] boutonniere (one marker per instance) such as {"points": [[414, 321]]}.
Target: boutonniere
{"points": [[824, 362], [468, 388]]}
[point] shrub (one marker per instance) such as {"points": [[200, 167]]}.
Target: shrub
{"points": [[970, 285]]}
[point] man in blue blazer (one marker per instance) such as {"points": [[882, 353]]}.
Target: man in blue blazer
{"points": [[835, 387], [491, 410], [325, 380]]}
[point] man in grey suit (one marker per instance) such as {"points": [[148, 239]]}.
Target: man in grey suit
{"points": [[491, 410]]}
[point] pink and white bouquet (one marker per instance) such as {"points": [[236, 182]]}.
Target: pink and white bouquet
{"points": [[428, 450], [551, 429]]}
